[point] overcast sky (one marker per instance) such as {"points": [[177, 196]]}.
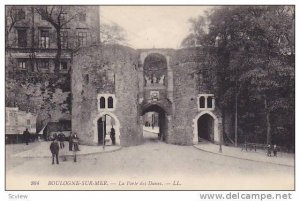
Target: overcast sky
{"points": [[152, 26]]}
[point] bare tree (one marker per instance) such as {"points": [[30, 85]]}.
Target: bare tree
{"points": [[58, 17], [11, 18]]}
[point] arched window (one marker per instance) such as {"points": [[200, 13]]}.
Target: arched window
{"points": [[102, 102], [209, 102], [110, 102], [202, 102]]}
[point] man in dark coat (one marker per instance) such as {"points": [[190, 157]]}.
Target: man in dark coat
{"points": [[26, 136], [269, 150], [61, 139], [113, 136], [71, 142], [275, 150], [54, 148]]}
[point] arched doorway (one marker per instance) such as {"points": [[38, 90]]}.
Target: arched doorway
{"points": [[205, 125], [106, 124], [155, 126], [101, 128]]}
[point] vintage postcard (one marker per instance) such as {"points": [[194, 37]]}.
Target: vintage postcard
{"points": [[149, 97]]}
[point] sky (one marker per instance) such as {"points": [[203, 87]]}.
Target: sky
{"points": [[152, 26]]}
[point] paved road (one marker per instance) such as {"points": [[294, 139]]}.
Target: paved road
{"points": [[159, 165]]}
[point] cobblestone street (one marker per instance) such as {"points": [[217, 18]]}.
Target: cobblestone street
{"points": [[153, 161]]}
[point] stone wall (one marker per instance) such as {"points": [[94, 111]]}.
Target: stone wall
{"points": [[184, 96], [85, 112], [180, 105], [187, 65]]}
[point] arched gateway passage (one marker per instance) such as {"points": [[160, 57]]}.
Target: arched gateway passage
{"points": [[108, 130], [154, 123], [206, 127]]}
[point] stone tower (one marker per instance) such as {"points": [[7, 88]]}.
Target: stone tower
{"points": [[122, 84]]}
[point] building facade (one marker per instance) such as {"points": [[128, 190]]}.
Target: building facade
{"points": [[125, 84], [40, 41], [16, 121], [32, 40]]}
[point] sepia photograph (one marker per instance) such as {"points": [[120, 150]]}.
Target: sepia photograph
{"points": [[149, 97]]}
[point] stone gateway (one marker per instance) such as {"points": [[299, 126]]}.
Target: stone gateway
{"points": [[113, 86]]}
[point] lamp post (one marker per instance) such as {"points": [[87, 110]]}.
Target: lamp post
{"points": [[221, 142], [104, 131], [236, 110]]}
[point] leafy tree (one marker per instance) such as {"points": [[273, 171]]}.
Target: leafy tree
{"points": [[112, 34], [255, 53], [46, 95], [197, 34]]}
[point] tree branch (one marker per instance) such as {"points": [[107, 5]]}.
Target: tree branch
{"points": [[69, 20]]}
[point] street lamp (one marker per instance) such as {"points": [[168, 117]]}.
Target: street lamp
{"points": [[104, 131]]}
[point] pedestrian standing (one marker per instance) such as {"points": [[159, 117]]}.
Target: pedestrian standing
{"points": [[54, 148], [269, 150], [71, 142], [113, 135], [244, 147], [76, 142], [54, 136], [275, 150], [26, 136], [61, 138], [76, 146], [159, 136]]}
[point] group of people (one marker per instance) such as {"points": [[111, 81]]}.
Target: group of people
{"points": [[58, 143], [271, 149], [148, 124], [73, 142], [60, 138]]}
